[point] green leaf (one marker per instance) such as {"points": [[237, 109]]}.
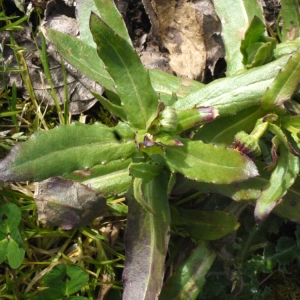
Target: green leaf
{"points": [[203, 225], [70, 277], [63, 281], [257, 49], [281, 136], [208, 163], [15, 249], [284, 84], [232, 94], [255, 30], [80, 55], [260, 54], [112, 17], [236, 16], [108, 179], [292, 124], [166, 120], [289, 207], [188, 279], [163, 138], [282, 178], [108, 12], [291, 20], [146, 241], [131, 78], [114, 109], [194, 117], [138, 193], [286, 252], [222, 131], [65, 149], [166, 84], [9, 113], [144, 171], [249, 190], [52, 294], [3, 246], [10, 217], [83, 11], [84, 57], [286, 48], [11, 243]]}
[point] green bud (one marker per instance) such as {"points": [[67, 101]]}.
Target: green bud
{"points": [[247, 144], [168, 119], [190, 118]]}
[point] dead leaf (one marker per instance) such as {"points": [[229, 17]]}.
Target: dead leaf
{"points": [[66, 203], [190, 31], [212, 34], [182, 35], [155, 60], [105, 288]]}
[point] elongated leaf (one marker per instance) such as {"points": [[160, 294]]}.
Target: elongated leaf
{"points": [[66, 149], [138, 194], [289, 207], [284, 84], [132, 80], [203, 225], [144, 170], [80, 55], [249, 190], [146, 242], [292, 124], [84, 57], [188, 279], [282, 178], [83, 10], [232, 94], [166, 139], [107, 10], [287, 48], [282, 137], [208, 163], [114, 109], [193, 117], [9, 113], [236, 16], [166, 84], [108, 179], [222, 131], [112, 17], [291, 20]]}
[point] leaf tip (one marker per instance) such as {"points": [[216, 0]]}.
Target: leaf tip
{"points": [[262, 209]]}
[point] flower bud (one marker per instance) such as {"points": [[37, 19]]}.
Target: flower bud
{"points": [[168, 119], [247, 144]]}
